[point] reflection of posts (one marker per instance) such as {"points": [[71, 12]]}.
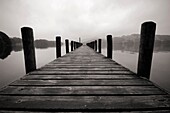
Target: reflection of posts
{"points": [[58, 46], [109, 46], [28, 46], [146, 49]]}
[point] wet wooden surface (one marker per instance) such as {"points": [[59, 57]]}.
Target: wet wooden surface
{"points": [[83, 81]]}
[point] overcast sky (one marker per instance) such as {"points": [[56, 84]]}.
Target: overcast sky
{"points": [[82, 18]]}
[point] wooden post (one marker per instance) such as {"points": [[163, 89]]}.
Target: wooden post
{"points": [[29, 51], [91, 45], [79, 40], [67, 45], [76, 45], [58, 46], [72, 45], [95, 43], [99, 45], [147, 38], [109, 46]]}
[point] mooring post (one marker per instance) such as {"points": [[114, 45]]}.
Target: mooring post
{"points": [[29, 51], [58, 46], [147, 38], [99, 45], [76, 45], [91, 45], [95, 45], [72, 45], [109, 46], [67, 45]]}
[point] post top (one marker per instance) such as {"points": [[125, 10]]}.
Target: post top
{"points": [[58, 36], [149, 23], [109, 35], [26, 28]]}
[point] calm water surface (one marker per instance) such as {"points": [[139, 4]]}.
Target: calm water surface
{"points": [[12, 68], [160, 71]]}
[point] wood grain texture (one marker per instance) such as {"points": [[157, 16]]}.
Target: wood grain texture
{"points": [[131, 82], [85, 103]]}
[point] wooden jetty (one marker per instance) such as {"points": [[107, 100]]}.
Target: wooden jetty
{"points": [[83, 81]]}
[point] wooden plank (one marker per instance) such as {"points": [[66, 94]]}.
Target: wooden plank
{"points": [[80, 58], [154, 111], [83, 69], [134, 82], [85, 103], [78, 77], [81, 66], [84, 62], [82, 90], [80, 72]]}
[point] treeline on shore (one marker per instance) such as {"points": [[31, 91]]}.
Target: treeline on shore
{"points": [[131, 43], [39, 43]]}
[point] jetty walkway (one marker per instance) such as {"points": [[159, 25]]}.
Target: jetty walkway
{"points": [[83, 81]]}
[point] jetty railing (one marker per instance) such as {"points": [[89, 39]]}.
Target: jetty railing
{"points": [[147, 38]]}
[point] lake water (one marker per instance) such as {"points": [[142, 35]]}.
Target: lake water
{"points": [[12, 68]]}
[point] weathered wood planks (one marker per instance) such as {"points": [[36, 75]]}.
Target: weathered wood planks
{"points": [[83, 81], [85, 103], [114, 82]]}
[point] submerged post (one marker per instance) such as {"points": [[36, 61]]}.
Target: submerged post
{"points": [[29, 51], [109, 46], [58, 46], [72, 45], [147, 38], [67, 45], [99, 45]]}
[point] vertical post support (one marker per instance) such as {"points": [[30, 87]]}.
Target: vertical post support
{"points": [[29, 51], [72, 46], [99, 45], [109, 46], [79, 40], [67, 45], [95, 45], [58, 46], [147, 38]]}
